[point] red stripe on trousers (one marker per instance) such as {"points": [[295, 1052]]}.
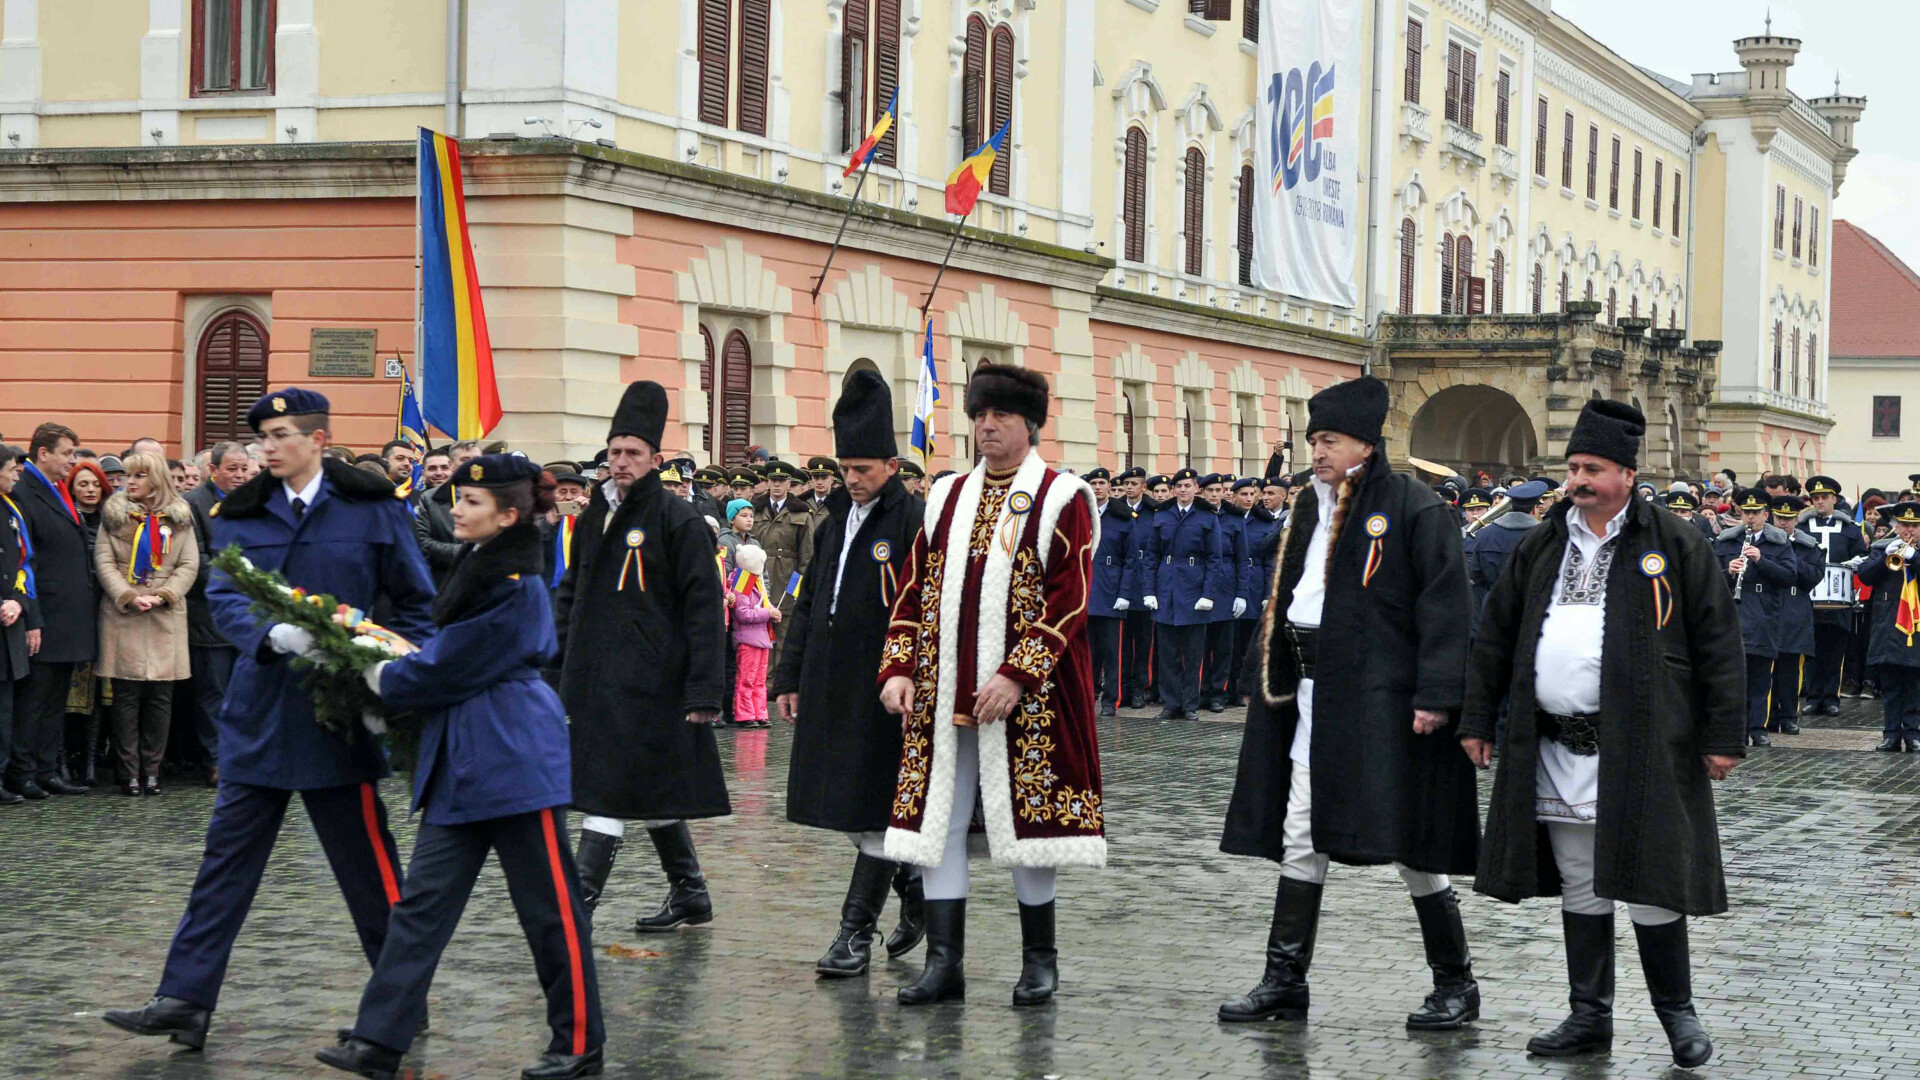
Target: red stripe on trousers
{"points": [[370, 813], [573, 935]]}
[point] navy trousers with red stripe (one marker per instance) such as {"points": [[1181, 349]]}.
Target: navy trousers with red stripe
{"points": [[352, 825], [538, 864]]}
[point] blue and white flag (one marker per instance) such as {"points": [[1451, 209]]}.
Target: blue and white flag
{"points": [[924, 402]]}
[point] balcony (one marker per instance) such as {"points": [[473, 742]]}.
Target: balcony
{"points": [[1506, 167], [1416, 127], [1461, 149]]}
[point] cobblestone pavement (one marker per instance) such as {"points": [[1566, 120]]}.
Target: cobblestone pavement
{"points": [[1811, 974]]}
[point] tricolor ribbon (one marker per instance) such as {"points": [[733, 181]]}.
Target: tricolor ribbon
{"points": [[633, 562], [150, 547], [1377, 525], [1654, 565], [562, 548], [1906, 617], [889, 585], [23, 580]]}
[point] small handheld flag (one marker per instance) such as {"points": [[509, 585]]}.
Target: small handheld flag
{"points": [[880, 129], [965, 183], [793, 584], [458, 392], [929, 394]]}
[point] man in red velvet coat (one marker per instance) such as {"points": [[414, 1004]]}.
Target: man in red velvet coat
{"points": [[986, 661]]}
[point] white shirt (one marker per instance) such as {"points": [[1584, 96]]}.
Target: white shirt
{"points": [[1309, 599], [776, 507], [612, 491], [307, 494], [856, 517], [1566, 669]]}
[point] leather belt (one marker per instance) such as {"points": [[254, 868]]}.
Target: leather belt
{"points": [[1306, 648], [1579, 734]]}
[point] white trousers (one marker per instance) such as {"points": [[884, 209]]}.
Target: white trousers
{"points": [[1302, 863], [1573, 854], [873, 844], [1033, 885], [613, 826]]}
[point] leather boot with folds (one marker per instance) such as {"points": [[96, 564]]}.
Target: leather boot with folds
{"points": [[687, 901], [362, 1058], [1665, 958], [913, 911], [852, 948], [1455, 1000], [593, 858], [945, 976], [1282, 992], [1589, 1028], [1039, 960], [182, 1021]]}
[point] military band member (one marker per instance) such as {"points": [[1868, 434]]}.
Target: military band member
{"points": [[913, 478], [1216, 666], [1192, 574], [1116, 587], [1612, 637], [1263, 545], [1371, 579], [1474, 504], [1794, 627], [1496, 541], [1840, 541], [1136, 638], [1894, 643], [1760, 566], [1686, 506]]}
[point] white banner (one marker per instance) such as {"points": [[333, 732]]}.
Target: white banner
{"points": [[1307, 147]]}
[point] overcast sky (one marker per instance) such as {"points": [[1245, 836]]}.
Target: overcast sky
{"points": [[1871, 43]]}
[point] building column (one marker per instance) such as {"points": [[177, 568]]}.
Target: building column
{"points": [[1079, 427], [20, 75], [296, 72], [163, 75]]}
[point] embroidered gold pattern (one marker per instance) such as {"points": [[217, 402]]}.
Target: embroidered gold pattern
{"points": [[897, 650], [910, 793], [992, 497]]}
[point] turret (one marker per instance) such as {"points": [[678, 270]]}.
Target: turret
{"points": [[1841, 111]]}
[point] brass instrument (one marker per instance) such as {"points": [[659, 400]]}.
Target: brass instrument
{"points": [[1898, 553], [1498, 508]]}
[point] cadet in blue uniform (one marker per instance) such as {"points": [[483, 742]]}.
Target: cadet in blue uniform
{"points": [[476, 686], [1761, 567], [1263, 545], [1893, 646], [329, 528], [1685, 506], [1495, 542], [1794, 629], [1191, 576], [1136, 636], [1216, 667], [1840, 541], [1115, 588]]}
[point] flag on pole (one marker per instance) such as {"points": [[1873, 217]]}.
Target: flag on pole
{"points": [[457, 390], [923, 403], [408, 425], [880, 128], [965, 183]]}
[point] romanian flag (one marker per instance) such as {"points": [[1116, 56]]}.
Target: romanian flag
{"points": [[965, 183], [748, 583], [1323, 107], [562, 548], [458, 394], [880, 128], [1906, 616]]}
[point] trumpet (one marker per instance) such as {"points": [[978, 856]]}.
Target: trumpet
{"points": [[1499, 507], [1898, 553]]}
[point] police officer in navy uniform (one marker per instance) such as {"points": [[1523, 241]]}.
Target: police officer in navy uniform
{"points": [[1794, 635], [1263, 546], [1221, 657], [1115, 588], [1192, 576], [1495, 542], [1684, 504], [1890, 569], [328, 528], [1761, 567], [1136, 637], [476, 685], [1840, 541]]}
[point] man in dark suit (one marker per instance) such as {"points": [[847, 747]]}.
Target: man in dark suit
{"points": [[63, 577], [211, 656], [19, 610]]}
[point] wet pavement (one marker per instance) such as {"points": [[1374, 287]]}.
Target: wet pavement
{"points": [[1814, 972]]}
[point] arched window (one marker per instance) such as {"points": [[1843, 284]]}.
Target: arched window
{"points": [[1539, 286], [1613, 299], [706, 383], [1589, 295], [1406, 265], [1793, 368], [1127, 431], [1446, 274], [1246, 218], [1133, 213], [1779, 337], [1196, 219], [232, 374], [1497, 279], [1813, 366], [1633, 307], [736, 399], [1565, 287], [1673, 318], [1653, 313], [1462, 272], [716, 30], [973, 86], [999, 181]]}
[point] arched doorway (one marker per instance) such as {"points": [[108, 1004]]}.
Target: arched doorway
{"points": [[1474, 427]]}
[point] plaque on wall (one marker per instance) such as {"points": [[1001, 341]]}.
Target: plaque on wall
{"points": [[340, 352]]}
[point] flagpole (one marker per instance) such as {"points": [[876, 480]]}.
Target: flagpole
{"points": [[955, 242], [821, 281]]}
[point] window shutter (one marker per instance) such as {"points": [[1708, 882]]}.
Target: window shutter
{"points": [[1633, 307], [1407, 243], [1613, 178], [1659, 174], [756, 36], [1469, 75], [1777, 338], [706, 384], [1222, 10], [1793, 370], [1540, 140], [1497, 284], [1673, 318], [1412, 89], [1246, 217], [736, 403], [886, 71], [1196, 209], [1250, 21], [1566, 154], [853, 74], [1462, 271], [1453, 81], [1613, 297], [1653, 313], [1128, 430], [1813, 237], [232, 376], [1502, 103], [1589, 295], [1813, 366], [998, 181], [716, 24], [1446, 274], [1636, 184], [1539, 286], [973, 85], [1779, 220], [1798, 212], [1676, 202], [1134, 212], [1565, 290]]}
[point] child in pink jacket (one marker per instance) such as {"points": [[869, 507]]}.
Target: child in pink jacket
{"points": [[752, 639]]}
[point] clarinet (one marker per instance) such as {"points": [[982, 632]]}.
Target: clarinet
{"points": [[1740, 579]]}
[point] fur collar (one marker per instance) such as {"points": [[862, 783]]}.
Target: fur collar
{"points": [[116, 514], [478, 570], [345, 481]]}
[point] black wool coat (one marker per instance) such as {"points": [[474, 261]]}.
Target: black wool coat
{"points": [[201, 633], [62, 573], [1387, 647], [13, 639], [1668, 695], [846, 747], [634, 661]]}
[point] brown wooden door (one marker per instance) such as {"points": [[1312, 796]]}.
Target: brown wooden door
{"points": [[231, 375]]}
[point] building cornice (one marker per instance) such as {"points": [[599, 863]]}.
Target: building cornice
{"points": [[1660, 117], [1719, 412], [1125, 308]]}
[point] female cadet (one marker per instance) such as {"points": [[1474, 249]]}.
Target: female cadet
{"points": [[505, 789]]}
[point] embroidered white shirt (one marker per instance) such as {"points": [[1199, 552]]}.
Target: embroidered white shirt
{"points": [[1566, 668]]}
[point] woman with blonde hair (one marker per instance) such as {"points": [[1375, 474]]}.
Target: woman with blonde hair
{"points": [[146, 559]]}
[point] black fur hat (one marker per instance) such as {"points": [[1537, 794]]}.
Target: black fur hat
{"points": [[863, 418], [1009, 389], [1609, 429], [1357, 407], [642, 413]]}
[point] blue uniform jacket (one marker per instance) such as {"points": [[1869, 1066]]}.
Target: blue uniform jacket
{"points": [[1188, 558], [1263, 548], [1116, 562], [1233, 542], [1488, 551], [1794, 630], [356, 543], [494, 736], [1767, 583], [1887, 644]]}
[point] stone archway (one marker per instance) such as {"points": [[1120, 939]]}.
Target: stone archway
{"points": [[1472, 427]]}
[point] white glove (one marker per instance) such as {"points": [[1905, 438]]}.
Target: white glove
{"points": [[1152, 602], [1239, 606], [371, 673], [288, 639], [1203, 604], [1121, 604]]}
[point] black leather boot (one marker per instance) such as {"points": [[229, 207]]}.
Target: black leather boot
{"points": [[1455, 1000], [182, 1021], [945, 976], [852, 948], [552, 1066], [1665, 958], [913, 911], [687, 901], [362, 1058], [1282, 993], [1589, 1028], [593, 858], [1039, 960]]}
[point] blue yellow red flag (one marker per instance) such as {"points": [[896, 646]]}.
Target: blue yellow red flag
{"points": [[924, 401], [965, 183], [457, 389], [880, 128]]}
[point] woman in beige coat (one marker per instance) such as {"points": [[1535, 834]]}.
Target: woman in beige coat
{"points": [[146, 559]]}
